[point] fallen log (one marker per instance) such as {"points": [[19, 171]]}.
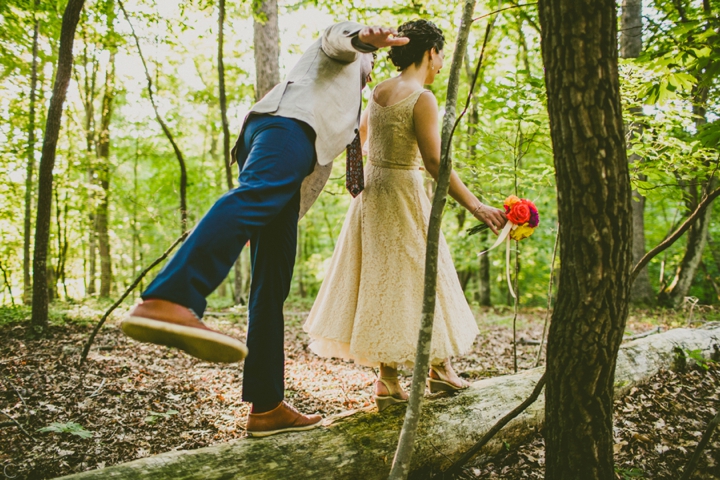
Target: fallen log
{"points": [[361, 445]]}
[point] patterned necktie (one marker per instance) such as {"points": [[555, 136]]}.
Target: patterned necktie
{"points": [[354, 178]]}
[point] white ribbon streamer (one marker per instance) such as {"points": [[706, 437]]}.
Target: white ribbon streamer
{"points": [[504, 237]]}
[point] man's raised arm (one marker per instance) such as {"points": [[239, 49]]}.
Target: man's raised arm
{"points": [[343, 41]]}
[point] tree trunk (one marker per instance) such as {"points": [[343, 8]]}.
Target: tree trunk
{"points": [[47, 163], [484, 276], [404, 453], [103, 171], [27, 279], [595, 217], [641, 292], [238, 277], [631, 29], [358, 446], [697, 237], [266, 40], [675, 293], [87, 90]]}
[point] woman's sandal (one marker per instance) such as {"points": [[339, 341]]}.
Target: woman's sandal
{"points": [[441, 384], [384, 401]]}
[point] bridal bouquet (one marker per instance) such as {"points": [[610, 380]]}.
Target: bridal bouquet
{"points": [[523, 218]]}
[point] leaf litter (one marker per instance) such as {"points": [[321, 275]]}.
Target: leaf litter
{"points": [[133, 400]]}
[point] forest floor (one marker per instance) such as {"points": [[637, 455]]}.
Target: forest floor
{"points": [[132, 400]]}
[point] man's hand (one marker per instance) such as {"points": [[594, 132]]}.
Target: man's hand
{"points": [[381, 37], [492, 217]]}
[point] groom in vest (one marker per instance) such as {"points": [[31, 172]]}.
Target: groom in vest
{"points": [[285, 152]]}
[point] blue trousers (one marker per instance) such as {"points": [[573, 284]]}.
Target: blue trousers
{"points": [[274, 154]]}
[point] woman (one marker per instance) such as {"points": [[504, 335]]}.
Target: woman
{"points": [[369, 306]]}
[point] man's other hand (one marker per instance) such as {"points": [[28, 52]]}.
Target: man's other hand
{"points": [[381, 37]]}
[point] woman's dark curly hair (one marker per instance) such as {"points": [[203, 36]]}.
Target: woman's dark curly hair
{"points": [[423, 36]]}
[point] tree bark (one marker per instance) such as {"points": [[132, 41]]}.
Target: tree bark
{"points": [[631, 29], [29, 171], [641, 292], [103, 172], [238, 270], [266, 41], [579, 48], [358, 445], [70, 19], [222, 96]]}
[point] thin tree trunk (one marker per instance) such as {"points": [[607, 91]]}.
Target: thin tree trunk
{"points": [[103, 170], [673, 295], [484, 268], [266, 40], [88, 92], [223, 98], [238, 270], [484, 276], [403, 455], [631, 29], [595, 216], [164, 127], [136, 247], [40, 302], [678, 289], [27, 279], [641, 292]]}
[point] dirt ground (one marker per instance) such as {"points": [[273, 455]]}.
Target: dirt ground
{"points": [[130, 400]]}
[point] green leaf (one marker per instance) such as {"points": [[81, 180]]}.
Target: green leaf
{"points": [[69, 427]]}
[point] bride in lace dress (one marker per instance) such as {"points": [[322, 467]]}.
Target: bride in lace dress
{"points": [[369, 306]]}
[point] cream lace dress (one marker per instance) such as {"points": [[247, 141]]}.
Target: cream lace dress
{"points": [[369, 306]]}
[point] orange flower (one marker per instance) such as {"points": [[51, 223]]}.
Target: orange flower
{"points": [[519, 213], [510, 201]]}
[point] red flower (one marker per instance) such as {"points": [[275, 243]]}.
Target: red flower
{"points": [[520, 212]]}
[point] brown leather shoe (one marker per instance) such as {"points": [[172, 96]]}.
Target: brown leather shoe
{"points": [[167, 323], [283, 418]]}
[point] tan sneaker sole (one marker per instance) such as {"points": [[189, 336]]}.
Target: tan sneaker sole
{"points": [[203, 344], [283, 430]]}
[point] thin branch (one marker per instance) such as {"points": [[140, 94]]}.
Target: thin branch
{"points": [[18, 424], [162, 257], [642, 335], [502, 10], [692, 464], [549, 303], [467, 456], [676, 235], [16, 391], [7, 284], [163, 125]]}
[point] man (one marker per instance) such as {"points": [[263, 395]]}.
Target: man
{"points": [[285, 152]]}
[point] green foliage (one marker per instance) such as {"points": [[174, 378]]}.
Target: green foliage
{"points": [[629, 473], [698, 357], [154, 416], [10, 315], [69, 427], [502, 145]]}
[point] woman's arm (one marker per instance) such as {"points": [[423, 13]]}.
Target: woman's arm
{"points": [[363, 128], [425, 115]]}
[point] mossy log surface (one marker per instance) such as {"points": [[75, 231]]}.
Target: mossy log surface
{"points": [[361, 445]]}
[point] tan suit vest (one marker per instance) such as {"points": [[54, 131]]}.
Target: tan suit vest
{"points": [[323, 90]]}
